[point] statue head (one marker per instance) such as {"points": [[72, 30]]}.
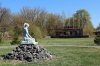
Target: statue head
{"points": [[26, 25]]}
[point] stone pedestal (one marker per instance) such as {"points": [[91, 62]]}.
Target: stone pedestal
{"points": [[31, 42]]}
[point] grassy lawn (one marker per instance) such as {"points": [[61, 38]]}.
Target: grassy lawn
{"points": [[64, 56], [68, 41], [65, 41]]}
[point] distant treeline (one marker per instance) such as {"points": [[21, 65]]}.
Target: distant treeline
{"points": [[41, 21]]}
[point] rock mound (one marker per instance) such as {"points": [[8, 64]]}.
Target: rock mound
{"points": [[29, 53]]}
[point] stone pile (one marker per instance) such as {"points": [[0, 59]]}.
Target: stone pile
{"points": [[29, 53]]}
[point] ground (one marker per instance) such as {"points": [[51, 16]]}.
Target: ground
{"points": [[67, 52]]}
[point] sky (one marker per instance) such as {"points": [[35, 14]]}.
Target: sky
{"points": [[69, 7]]}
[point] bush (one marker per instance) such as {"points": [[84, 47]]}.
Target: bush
{"points": [[15, 39], [97, 40], [35, 31]]}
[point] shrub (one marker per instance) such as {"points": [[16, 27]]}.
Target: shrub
{"points": [[97, 40], [35, 31], [15, 39]]}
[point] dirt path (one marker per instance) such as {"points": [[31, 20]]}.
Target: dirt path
{"points": [[57, 45], [8, 46], [75, 46]]}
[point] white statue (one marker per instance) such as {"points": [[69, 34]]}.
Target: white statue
{"points": [[27, 38]]}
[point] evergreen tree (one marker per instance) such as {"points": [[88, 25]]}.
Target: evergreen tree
{"points": [[97, 40], [15, 36]]}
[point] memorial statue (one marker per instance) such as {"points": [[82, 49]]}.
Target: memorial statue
{"points": [[27, 38]]}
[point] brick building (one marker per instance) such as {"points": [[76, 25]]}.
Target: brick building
{"points": [[69, 32]]}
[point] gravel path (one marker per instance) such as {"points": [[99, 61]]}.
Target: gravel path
{"points": [[57, 45]]}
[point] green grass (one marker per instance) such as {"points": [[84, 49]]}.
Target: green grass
{"points": [[64, 56], [60, 41], [68, 41], [4, 51], [6, 43], [65, 41]]}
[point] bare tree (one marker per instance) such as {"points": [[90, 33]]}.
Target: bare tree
{"points": [[35, 16], [4, 19], [54, 21], [30, 14]]}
